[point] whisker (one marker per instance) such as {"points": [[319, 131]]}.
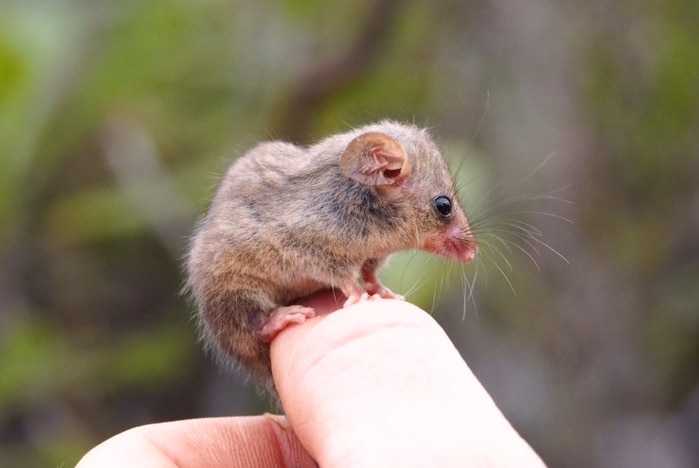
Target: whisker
{"points": [[546, 245], [477, 132], [504, 275], [533, 171], [522, 249], [472, 286], [500, 253]]}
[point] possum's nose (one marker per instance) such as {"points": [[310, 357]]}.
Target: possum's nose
{"points": [[468, 254]]}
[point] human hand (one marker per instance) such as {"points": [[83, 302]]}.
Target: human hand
{"points": [[375, 384]]}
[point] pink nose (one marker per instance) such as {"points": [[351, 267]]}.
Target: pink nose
{"points": [[469, 254]]}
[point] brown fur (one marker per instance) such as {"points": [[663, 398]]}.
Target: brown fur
{"points": [[289, 221]]}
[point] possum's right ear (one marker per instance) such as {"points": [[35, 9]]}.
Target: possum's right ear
{"points": [[376, 160]]}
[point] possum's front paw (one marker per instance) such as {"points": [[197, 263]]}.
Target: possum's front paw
{"points": [[377, 289], [282, 317], [371, 291]]}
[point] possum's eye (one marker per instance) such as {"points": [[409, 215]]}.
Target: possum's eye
{"points": [[443, 206]]}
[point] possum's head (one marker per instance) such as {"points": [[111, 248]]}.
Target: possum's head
{"points": [[403, 164]]}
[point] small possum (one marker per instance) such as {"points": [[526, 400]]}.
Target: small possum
{"points": [[288, 221]]}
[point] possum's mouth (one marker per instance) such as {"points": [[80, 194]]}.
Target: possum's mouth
{"points": [[453, 243], [464, 255], [457, 251]]}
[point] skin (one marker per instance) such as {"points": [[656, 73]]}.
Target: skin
{"points": [[418, 405]]}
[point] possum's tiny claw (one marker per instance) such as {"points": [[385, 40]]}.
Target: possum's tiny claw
{"points": [[382, 291], [356, 298], [353, 292], [284, 316]]}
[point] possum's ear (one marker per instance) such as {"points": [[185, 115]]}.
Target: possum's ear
{"points": [[376, 160]]}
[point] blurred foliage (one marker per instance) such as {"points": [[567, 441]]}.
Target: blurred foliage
{"points": [[117, 118]]}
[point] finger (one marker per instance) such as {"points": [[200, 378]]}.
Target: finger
{"points": [[379, 383], [256, 441]]}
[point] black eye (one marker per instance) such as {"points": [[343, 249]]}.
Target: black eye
{"points": [[443, 206]]}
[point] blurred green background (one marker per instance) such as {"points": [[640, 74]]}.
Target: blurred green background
{"points": [[117, 119]]}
